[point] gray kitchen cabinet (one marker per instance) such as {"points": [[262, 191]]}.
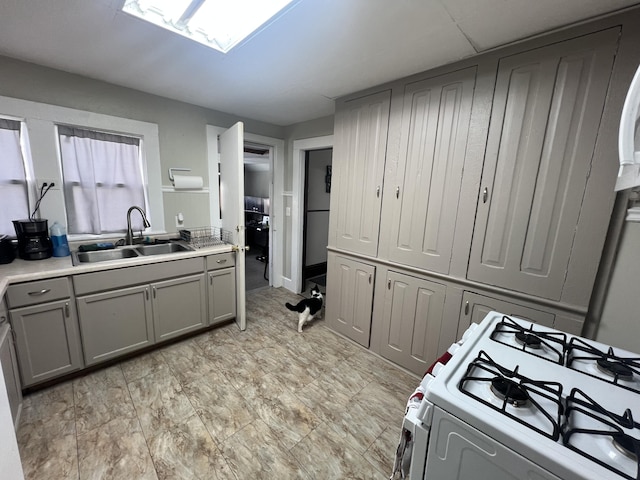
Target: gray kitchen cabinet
{"points": [[360, 142], [546, 114], [350, 297], [412, 317], [9, 363], [423, 197], [46, 334], [222, 295], [115, 323], [124, 310], [221, 274], [179, 306], [476, 306]]}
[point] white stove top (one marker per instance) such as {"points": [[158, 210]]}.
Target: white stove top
{"points": [[472, 388]]}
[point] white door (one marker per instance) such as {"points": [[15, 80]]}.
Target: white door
{"points": [[232, 205]]}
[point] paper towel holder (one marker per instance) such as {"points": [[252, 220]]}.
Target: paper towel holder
{"points": [[176, 169]]}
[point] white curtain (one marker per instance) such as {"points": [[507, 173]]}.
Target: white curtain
{"points": [[13, 183], [102, 178]]}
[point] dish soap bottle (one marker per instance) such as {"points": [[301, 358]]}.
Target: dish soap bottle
{"points": [[59, 240]]}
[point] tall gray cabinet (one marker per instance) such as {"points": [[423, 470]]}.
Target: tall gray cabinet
{"points": [[423, 191], [361, 136], [544, 124], [485, 176]]}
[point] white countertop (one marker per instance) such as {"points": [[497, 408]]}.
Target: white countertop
{"points": [[27, 270]]}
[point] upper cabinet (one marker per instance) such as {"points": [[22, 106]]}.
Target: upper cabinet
{"points": [[421, 202], [360, 144], [546, 114]]}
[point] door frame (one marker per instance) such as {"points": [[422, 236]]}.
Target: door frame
{"points": [[276, 232], [300, 148]]}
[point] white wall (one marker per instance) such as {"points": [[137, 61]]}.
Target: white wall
{"points": [[181, 127]]}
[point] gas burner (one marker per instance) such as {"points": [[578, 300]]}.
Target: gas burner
{"points": [[533, 340], [626, 445], [614, 369], [510, 391], [597, 433], [534, 404], [606, 366], [528, 339]]}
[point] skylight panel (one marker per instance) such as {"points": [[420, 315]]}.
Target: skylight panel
{"points": [[219, 24]]}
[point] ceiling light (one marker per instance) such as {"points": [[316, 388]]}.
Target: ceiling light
{"points": [[219, 24]]}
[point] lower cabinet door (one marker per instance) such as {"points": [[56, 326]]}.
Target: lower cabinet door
{"points": [[47, 341], [222, 295], [412, 318], [350, 297], [476, 306], [10, 372], [116, 322], [179, 306]]}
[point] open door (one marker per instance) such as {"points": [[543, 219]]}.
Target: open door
{"points": [[232, 206]]}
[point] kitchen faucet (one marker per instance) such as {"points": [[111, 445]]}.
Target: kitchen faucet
{"points": [[129, 237]]}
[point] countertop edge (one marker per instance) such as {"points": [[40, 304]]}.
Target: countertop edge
{"points": [[28, 270]]}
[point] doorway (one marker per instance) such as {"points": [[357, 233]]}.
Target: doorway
{"points": [[257, 209], [300, 150], [317, 187]]}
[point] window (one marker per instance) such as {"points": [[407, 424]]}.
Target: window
{"points": [[102, 177], [13, 179], [218, 24]]}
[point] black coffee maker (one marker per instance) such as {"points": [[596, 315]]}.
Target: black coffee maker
{"points": [[33, 239]]}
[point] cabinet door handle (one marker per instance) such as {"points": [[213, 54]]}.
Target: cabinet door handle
{"points": [[224, 260], [388, 284], [66, 310], [378, 191], [154, 292], [3, 319], [485, 195], [397, 192], [466, 308], [210, 279], [41, 292], [369, 279], [146, 291]]}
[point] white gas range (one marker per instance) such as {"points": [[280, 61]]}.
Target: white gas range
{"points": [[514, 400]]}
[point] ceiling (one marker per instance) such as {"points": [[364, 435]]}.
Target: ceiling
{"points": [[290, 71]]}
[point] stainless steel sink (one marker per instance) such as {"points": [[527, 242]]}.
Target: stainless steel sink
{"points": [[104, 255], [162, 248], [126, 252]]}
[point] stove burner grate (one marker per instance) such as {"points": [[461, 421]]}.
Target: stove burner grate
{"points": [[581, 409], [542, 399], [614, 369], [621, 371], [547, 345], [508, 390]]}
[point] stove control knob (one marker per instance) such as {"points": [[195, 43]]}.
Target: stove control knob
{"points": [[468, 333], [437, 368]]}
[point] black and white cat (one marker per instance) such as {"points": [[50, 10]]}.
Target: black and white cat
{"points": [[307, 308]]}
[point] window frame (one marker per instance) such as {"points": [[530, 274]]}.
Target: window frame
{"points": [[41, 121], [26, 163], [140, 163]]}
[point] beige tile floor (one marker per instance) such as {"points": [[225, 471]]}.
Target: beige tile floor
{"points": [[267, 403]]}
